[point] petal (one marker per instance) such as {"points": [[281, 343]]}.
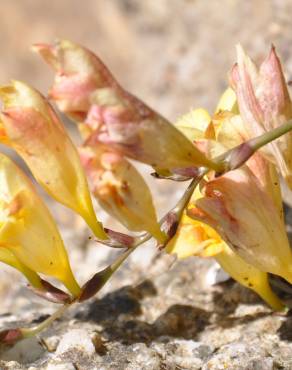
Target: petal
{"points": [[38, 136], [227, 102], [248, 276], [121, 190], [231, 132], [193, 238], [6, 256], [195, 124], [27, 228], [264, 103]]}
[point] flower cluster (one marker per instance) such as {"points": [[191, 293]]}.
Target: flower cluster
{"points": [[232, 210]]}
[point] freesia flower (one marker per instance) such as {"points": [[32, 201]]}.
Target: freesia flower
{"points": [[32, 128], [29, 238], [195, 238], [86, 90], [247, 219], [120, 190], [264, 104]]}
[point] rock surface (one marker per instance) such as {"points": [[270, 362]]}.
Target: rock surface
{"points": [[153, 314], [173, 320]]}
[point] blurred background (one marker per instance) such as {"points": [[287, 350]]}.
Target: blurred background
{"points": [[173, 54]]}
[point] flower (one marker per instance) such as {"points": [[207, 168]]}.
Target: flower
{"points": [[116, 118], [264, 104], [207, 232], [35, 132], [195, 238], [247, 219], [29, 238]]}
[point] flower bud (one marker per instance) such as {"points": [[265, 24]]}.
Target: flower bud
{"points": [[28, 231], [264, 104], [35, 132], [117, 118]]}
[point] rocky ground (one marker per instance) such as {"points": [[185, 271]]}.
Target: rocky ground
{"points": [[168, 319], [154, 314]]}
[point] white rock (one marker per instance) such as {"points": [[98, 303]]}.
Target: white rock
{"points": [[216, 275], [76, 338], [63, 366]]}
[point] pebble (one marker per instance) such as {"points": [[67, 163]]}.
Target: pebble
{"points": [[76, 338], [61, 366]]}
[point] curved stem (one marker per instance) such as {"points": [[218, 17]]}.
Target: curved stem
{"points": [[236, 157], [29, 332]]}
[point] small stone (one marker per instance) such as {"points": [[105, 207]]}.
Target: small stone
{"points": [[186, 354], [141, 357], [98, 343], [51, 343], [216, 275], [189, 348], [76, 338], [61, 366]]}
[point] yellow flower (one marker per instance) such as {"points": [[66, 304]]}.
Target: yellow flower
{"points": [[197, 238], [28, 231], [35, 132]]}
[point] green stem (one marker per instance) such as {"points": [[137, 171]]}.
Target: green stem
{"points": [[29, 332], [182, 203], [269, 136], [236, 157], [106, 274]]}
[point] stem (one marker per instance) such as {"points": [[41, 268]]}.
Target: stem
{"points": [[181, 204], [94, 285], [100, 279], [237, 156], [269, 136], [29, 332]]}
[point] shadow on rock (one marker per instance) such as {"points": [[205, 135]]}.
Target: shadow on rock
{"points": [[285, 330], [118, 313], [122, 301]]}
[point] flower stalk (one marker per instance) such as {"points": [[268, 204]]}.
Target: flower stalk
{"points": [[237, 156]]}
